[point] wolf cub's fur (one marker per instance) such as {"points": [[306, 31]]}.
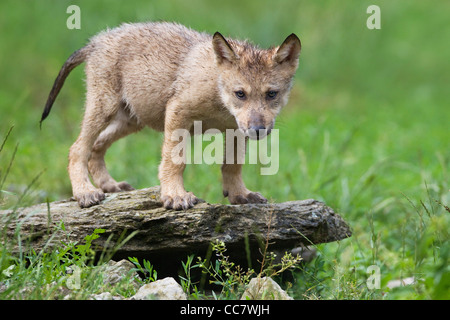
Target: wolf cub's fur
{"points": [[166, 76]]}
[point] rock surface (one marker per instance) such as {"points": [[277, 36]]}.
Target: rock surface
{"points": [[114, 272], [165, 289], [264, 289]]}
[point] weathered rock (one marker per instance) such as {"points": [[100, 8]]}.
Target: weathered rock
{"points": [[165, 289], [114, 272], [101, 296], [264, 289], [169, 236]]}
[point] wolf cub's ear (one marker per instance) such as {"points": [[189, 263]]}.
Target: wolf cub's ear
{"points": [[289, 51], [223, 50]]}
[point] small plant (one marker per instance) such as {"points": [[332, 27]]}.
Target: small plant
{"points": [[81, 253], [147, 270], [186, 281], [232, 278]]}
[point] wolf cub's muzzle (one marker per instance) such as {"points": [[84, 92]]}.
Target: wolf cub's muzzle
{"points": [[258, 132]]}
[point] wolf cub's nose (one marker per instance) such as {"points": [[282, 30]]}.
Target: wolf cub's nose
{"points": [[257, 132]]}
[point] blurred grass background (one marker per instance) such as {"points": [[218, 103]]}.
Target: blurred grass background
{"points": [[366, 129]]}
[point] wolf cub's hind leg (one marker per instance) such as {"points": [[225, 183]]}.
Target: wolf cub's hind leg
{"points": [[99, 112], [121, 126]]}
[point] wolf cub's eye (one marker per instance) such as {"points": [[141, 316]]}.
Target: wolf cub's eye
{"points": [[240, 94], [271, 94]]}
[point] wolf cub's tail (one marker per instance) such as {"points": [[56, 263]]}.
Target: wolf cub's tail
{"points": [[74, 60]]}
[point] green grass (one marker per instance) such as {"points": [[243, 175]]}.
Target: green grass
{"points": [[366, 128]]}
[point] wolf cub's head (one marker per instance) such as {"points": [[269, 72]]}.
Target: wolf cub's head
{"points": [[254, 84]]}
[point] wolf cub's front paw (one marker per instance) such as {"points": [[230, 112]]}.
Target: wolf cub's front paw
{"points": [[251, 197], [89, 199], [179, 202]]}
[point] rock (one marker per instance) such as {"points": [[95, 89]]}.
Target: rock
{"points": [[104, 296], [264, 289], [401, 282], [101, 296], [166, 237], [165, 289], [114, 272]]}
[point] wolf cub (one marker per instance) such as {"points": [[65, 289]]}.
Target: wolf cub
{"points": [[166, 76]]}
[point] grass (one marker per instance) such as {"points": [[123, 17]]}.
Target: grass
{"points": [[366, 128], [66, 272]]}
